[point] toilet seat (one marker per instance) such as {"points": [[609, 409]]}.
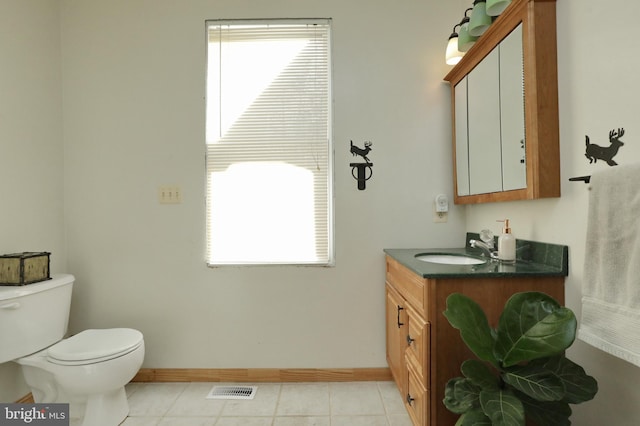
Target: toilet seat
{"points": [[92, 346]]}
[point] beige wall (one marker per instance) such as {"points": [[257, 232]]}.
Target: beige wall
{"points": [[31, 150], [133, 85], [133, 89], [598, 91]]}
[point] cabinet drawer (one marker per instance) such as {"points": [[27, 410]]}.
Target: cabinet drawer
{"points": [[408, 284], [417, 349], [417, 400]]}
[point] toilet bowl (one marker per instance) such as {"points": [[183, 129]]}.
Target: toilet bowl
{"points": [[88, 370]]}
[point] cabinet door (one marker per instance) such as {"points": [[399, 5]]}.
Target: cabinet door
{"points": [[485, 168], [417, 400], [396, 324], [461, 138], [514, 168], [417, 342]]}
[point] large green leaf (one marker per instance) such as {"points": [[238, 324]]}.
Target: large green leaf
{"points": [[480, 374], [502, 407], [474, 418], [533, 325], [556, 413], [460, 395], [468, 317], [536, 381], [579, 386]]}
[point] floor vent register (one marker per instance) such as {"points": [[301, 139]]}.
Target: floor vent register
{"points": [[232, 392]]}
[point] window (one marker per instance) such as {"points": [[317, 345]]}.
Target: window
{"points": [[268, 138]]}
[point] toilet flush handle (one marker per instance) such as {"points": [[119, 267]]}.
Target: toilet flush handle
{"points": [[14, 305]]}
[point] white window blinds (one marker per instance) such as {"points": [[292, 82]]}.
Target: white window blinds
{"points": [[269, 174]]}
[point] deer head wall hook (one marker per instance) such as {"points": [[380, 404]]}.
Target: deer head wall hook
{"points": [[361, 172]]}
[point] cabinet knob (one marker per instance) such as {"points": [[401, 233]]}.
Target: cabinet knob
{"points": [[400, 324], [409, 399], [409, 340]]}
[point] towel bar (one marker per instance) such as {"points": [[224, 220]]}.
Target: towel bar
{"points": [[586, 179]]}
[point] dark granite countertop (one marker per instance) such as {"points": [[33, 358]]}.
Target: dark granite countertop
{"points": [[532, 259]]}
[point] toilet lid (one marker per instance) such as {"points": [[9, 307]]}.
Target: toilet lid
{"points": [[95, 345]]}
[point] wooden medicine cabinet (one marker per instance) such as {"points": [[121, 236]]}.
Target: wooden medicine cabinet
{"points": [[504, 96]]}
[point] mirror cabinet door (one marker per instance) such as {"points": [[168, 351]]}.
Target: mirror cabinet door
{"points": [[462, 138], [514, 168], [485, 174]]}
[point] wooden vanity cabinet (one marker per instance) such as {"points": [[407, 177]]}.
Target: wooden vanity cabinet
{"points": [[423, 350]]}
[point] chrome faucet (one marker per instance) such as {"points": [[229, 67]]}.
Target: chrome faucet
{"points": [[487, 249], [486, 245]]}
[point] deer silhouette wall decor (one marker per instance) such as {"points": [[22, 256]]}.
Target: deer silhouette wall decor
{"points": [[596, 152], [361, 152], [361, 172]]}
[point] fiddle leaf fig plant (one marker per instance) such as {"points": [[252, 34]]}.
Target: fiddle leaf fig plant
{"points": [[522, 372]]}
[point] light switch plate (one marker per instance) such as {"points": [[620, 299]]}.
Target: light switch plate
{"points": [[169, 195]]}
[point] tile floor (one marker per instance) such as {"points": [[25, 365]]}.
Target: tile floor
{"points": [[274, 404]]}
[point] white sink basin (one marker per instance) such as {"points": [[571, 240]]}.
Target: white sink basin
{"points": [[450, 259]]}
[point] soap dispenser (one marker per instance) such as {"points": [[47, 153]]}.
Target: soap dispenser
{"points": [[506, 244]]}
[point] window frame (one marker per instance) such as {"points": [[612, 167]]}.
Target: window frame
{"points": [[329, 234]]}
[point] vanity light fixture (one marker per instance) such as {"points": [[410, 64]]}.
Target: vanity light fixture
{"points": [[480, 21], [496, 7], [465, 40], [453, 55]]}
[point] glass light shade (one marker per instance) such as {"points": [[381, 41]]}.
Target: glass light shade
{"points": [[465, 40], [453, 55], [480, 21], [496, 7]]}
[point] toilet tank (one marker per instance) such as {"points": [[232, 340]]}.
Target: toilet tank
{"points": [[33, 316]]}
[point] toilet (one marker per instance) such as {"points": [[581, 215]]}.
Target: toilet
{"points": [[88, 370]]}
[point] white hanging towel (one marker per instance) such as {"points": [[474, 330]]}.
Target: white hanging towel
{"points": [[611, 292]]}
